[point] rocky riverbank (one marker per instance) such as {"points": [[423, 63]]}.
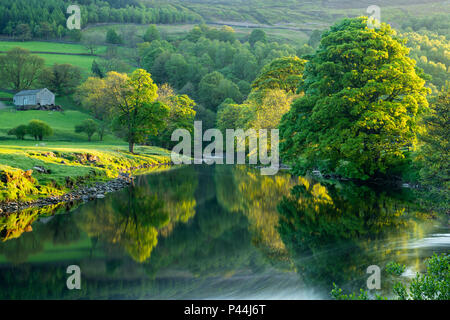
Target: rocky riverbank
{"points": [[97, 191]]}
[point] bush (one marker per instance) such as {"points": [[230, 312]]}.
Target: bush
{"points": [[19, 132], [434, 284], [39, 129]]}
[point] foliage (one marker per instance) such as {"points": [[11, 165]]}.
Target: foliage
{"points": [[214, 88], [257, 35], [19, 131], [434, 154], [360, 110], [282, 73], [152, 34], [133, 102], [19, 69], [434, 284], [112, 37], [62, 79], [395, 269], [432, 53], [39, 129], [181, 115], [47, 18]]}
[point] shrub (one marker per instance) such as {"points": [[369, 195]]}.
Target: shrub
{"points": [[19, 132], [39, 129]]}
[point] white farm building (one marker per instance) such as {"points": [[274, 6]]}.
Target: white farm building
{"points": [[42, 97]]}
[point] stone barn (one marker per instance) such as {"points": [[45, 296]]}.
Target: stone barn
{"points": [[42, 97]]}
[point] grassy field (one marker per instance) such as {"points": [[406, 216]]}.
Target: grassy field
{"points": [[82, 61], [42, 46], [62, 123]]}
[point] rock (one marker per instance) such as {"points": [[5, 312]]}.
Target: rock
{"points": [[100, 196], [41, 169]]}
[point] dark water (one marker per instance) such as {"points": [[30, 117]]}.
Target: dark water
{"points": [[219, 232]]}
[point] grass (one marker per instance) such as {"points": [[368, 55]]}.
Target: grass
{"points": [[42, 46], [62, 123], [82, 61], [68, 166]]}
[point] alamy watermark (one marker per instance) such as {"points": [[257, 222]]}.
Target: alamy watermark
{"points": [[374, 280], [74, 280], [236, 142], [374, 21], [74, 21]]}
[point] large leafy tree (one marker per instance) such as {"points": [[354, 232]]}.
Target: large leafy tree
{"points": [[129, 101], [19, 69], [362, 98], [138, 114]]}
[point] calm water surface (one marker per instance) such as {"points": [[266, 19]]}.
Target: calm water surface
{"points": [[221, 232]]}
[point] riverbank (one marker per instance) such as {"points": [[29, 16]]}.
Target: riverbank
{"points": [[48, 174]]}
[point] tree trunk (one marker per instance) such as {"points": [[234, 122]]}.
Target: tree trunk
{"points": [[131, 146]]}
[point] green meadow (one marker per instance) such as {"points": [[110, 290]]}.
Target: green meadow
{"points": [[62, 123]]}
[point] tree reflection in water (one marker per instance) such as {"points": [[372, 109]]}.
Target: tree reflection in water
{"points": [[200, 230]]}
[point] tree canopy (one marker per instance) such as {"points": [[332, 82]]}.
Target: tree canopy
{"points": [[362, 99]]}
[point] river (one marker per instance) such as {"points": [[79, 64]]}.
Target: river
{"points": [[218, 232]]}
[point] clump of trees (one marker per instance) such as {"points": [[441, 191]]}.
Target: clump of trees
{"points": [[62, 79], [19, 69], [209, 64], [36, 128], [26, 19], [129, 104], [270, 98]]}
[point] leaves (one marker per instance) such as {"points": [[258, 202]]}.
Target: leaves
{"points": [[362, 99]]}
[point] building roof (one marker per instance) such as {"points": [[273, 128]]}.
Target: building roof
{"points": [[29, 92]]}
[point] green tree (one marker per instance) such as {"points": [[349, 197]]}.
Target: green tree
{"points": [[91, 42], [180, 116], [214, 89], [314, 39], [257, 35], [61, 78], [359, 115], [113, 37], [151, 34], [227, 115], [19, 69], [282, 73], [23, 32], [434, 154], [133, 98], [19, 132], [88, 126], [39, 129]]}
